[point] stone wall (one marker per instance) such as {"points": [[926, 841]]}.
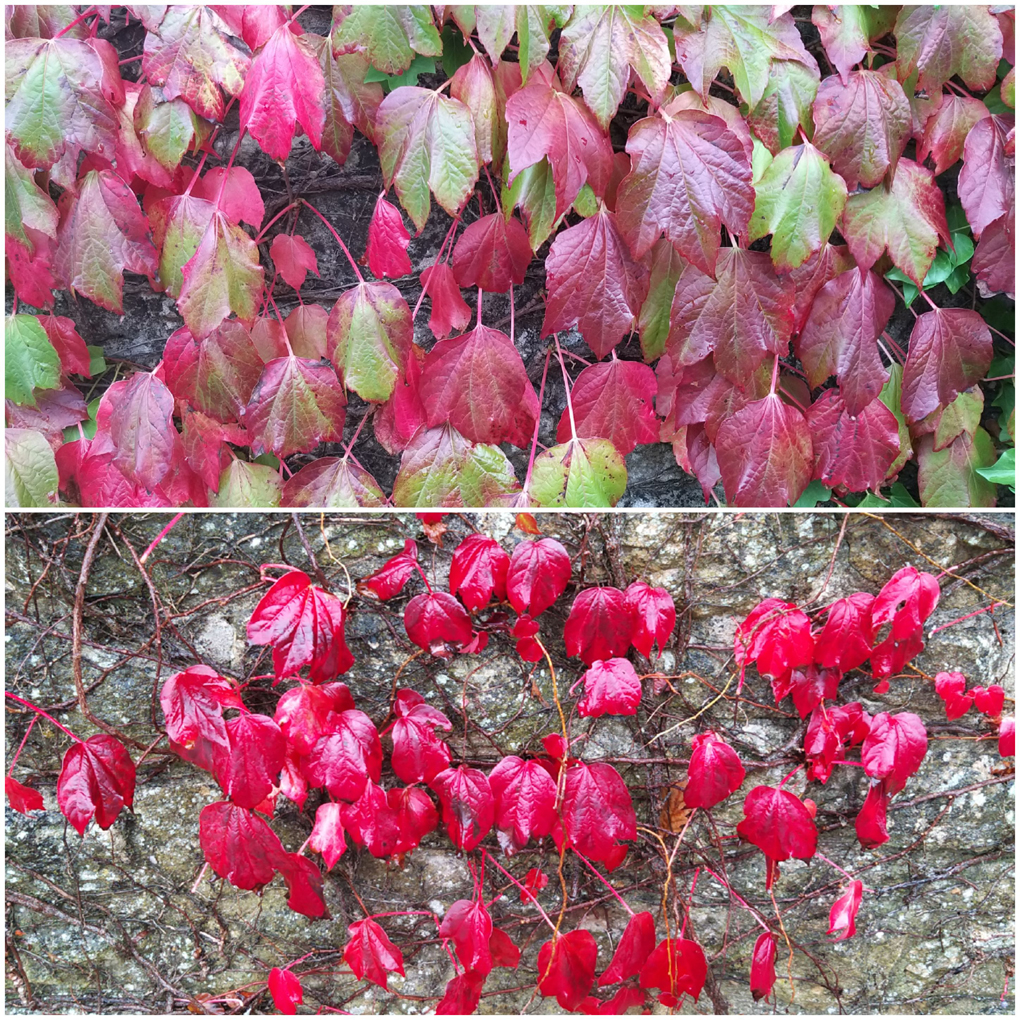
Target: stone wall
{"points": [[126, 921]]}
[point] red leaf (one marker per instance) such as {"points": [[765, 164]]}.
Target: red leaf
{"points": [[611, 687], [296, 404], [841, 334], [714, 772], [70, 348], [141, 427], [594, 283], [950, 687], [436, 620], [763, 966], [543, 121], [524, 630], [994, 260], [450, 312], [193, 703], [535, 881], [906, 600], [950, 350], [613, 401], [741, 316], [371, 823], [304, 886], [478, 571], [537, 576], [677, 967], [597, 810], [418, 754], [844, 912], [626, 998], [97, 778], [387, 241], [370, 953], [468, 808], [327, 836], [632, 951], [827, 731], [249, 771], [22, 798], [346, 757], [870, 824], [690, 174], [503, 951], [894, 749], [477, 382], [524, 799], [415, 815], [566, 967], [294, 259], [1007, 737], [811, 685], [238, 199], [652, 616], [493, 253], [305, 626], [389, 580], [599, 626], [468, 924], [777, 635], [285, 988], [989, 700], [765, 454], [778, 824], [239, 845], [810, 276], [947, 128], [283, 88], [302, 713], [462, 995], [986, 184]]}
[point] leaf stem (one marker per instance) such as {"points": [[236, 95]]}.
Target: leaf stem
{"points": [[81, 17], [538, 420], [775, 376], [534, 899], [283, 212], [566, 386], [159, 538], [339, 240], [595, 871], [21, 746], [756, 914], [45, 715]]}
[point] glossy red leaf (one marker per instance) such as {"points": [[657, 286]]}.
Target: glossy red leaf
{"points": [[477, 382], [524, 798], [763, 966], [346, 757], [468, 924], [304, 886], [238, 845], [22, 798], [689, 176], [950, 350], [302, 713], [193, 703], [436, 620], [415, 816], [294, 259], [524, 630], [827, 731], [418, 754], [652, 616], [462, 995], [952, 689], [493, 253], [97, 779], [776, 635], [566, 967], [371, 954], [846, 638], [503, 951], [305, 626], [478, 571], [597, 810], [632, 951], [599, 626], [986, 184], [538, 575], [778, 823], [389, 580], [248, 772], [1007, 737], [467, 802], [811, 685], [994, 260], [327, 836], [677, 967], [989, 700], [371, 823], [870, 824], [613, 400], [843, 915], [285, 989], [611, 687], [450, 312], [543, 121], [906, 600], [894, 749], [594, 283], [388, 239], [714, 772], [70, 347], [535, 881]]}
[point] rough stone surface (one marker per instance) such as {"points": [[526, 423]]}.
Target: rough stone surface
{"points": [[128, 921]]}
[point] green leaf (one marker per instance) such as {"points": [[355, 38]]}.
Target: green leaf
{"points": [[952, 477], [653, 320], [420, 65], [388, 34], [25, 203], [898, 497], [30, 469], [97, 362], [456, 52], [247, 485], [1003, 471], [535, 24], [786, 104], [534, 193], [962, 415], [892, 397], [30, 360], [586, 204], [798, 202], [579, 473], [814, 494], [167, 128], [761, 160]]}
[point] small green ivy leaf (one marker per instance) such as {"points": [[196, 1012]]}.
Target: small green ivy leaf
{"points": [[420, 65], [814, 494], [1003, 471]]}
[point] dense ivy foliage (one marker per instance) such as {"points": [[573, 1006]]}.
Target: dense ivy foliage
{"points": [[784, 234]]}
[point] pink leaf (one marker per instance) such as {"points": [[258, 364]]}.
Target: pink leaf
{"points": [[294, 258], [611, 687], [285, 989], [387, 241]]}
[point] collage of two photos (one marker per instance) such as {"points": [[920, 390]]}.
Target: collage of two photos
{"points": [[509, 509]]}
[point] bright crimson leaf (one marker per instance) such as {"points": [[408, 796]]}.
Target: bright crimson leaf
{"points": [[478, 571], [538, 575], [302, 713], [906, 600], [293, 257], [389, 580], [599, 626], [347, 757], [952, 689], [450, 312], [714, 772], [811, 685], [535, 881], [652, 614], [418, 754], [870, 824], [468, 807], [777, 635], [1007, 737], [22, 798], [415, 816], [763, 966], [469, 925], [435, 620], [238, 845], [566, 967], [304, 885], [371, 954], [846, 638], [597, 810], [462, 995], [677, 967], [779, 824], [632, 951], [492, 253], [371, 823], [503, 951], [97, 779], [524, 795], [387, 241], [894, 749], [844, 912], [249, 771], [327, 836], [285, 989], [989, 700], [611, 687]]}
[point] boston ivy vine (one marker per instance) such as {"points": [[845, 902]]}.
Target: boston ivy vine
{"points": [[737, 208]]}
